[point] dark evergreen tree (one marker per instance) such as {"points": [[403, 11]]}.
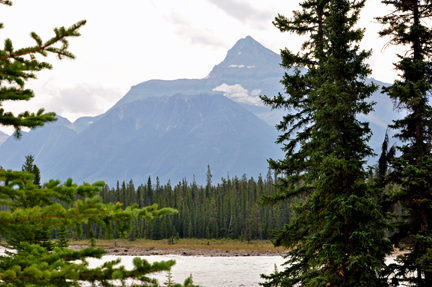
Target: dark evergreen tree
{"points": [[209, 176], [334, 239], [37, 178], [156, 230], [132, 233], [386, 156], [150, 191], [28, 164], [408, 26], [117, 192], [30, 167], [190, 230]]}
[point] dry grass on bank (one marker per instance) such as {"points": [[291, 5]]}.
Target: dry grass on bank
{"points": [[211, 244]]}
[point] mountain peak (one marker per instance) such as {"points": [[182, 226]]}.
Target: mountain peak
{"points": [[247, 41], [249, 67], [247, 54], [247, 49]]}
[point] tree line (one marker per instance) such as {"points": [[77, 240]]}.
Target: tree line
{"points": [[229, 209]]}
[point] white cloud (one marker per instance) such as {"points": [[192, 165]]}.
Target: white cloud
{"points": [[239, 94], [244, 11], [255, 92], [82, 100], [70, 101]]}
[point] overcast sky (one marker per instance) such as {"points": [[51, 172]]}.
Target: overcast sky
{"points": [[131, 41]]}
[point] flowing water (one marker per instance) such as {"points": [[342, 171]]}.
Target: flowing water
{"points": [[209, 271]]}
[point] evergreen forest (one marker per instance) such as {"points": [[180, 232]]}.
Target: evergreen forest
{"points": [[230, 209]]}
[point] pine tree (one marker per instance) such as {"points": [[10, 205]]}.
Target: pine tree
{"points": [[407, 26], [174, 235], [37, 178], [28, 164], [156, 230], [334, 240], [209, 177], [190, 231], [132, 234], [386, 156], [62, 239], [28, 205], [30, 167], [33, 233]]}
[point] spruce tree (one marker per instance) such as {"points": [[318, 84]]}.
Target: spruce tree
{"points": [[33, 233], [37, 178], [386, 156], [334, 239], [28, 164], [30, 167], [408, 26], [62, 239], [26, 205]]}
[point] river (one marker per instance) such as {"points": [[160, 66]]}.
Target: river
{"points": [[209, 271]]}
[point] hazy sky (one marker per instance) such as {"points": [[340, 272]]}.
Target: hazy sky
{"points": [[128, 42]]}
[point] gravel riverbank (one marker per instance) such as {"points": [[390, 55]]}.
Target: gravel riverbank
{"points": [[137, 251]]}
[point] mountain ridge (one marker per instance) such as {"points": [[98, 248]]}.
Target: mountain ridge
{"points": [[157, 128], [183, 134], [264, 74]]}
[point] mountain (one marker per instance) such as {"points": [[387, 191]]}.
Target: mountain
{"points": [[84, 122], [248, 70], [174, 129], [42, 143], [247, 64], [170, 137], [3, 137]]}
